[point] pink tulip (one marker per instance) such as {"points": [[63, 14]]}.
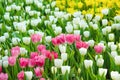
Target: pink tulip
{"points": [[46, 53], [40, 60], [77, 37], [0, 69], [55, 41], [82, 44], [3, 76], [36, 38], [41, 47], [31, 63], [12, 60], [20, 75], [98, 48], [70, 38], [15, 51], [61, 39], [23, 62], [33, 54], [38, 72], [42, 78], [53, 55]]}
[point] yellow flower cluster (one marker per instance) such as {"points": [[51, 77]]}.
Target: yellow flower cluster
{"points": [[88, 6]]}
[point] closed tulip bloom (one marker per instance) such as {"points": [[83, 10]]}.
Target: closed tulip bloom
{"points": [[54, 69], [86, 34], [115, 75], [29, 75], [98, 48], [31, 63], [64, 56], [38, 72], [114, 53], [102, 72], [88, 63], [104, 22], [117, 60], [62, 48], [20, 75], [100, 62], [36, 38], [83, 51], [48, 38], [26, 40], [70, 38], [111, 36], [12, 61], [58, 62], [41, 47], [113, 47], [5, 64], [65, 69], [15, 51], [3, 76], [23, 62]]}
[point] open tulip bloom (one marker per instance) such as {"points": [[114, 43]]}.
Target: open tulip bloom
{"points": [[59, 40]]}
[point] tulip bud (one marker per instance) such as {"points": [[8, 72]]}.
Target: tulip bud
{"points": [[58, 30], [100, 62], [2, 39], [15, 41], [113, 47], [110, 43], [69, 28], [5, 64], [117, 60], [58, 62], [88, 63], [105, 11], [111, 36], [95, 26], [114, 53], [6, 35], [48, 38], [29, 75], [86, 34], [7, 16], [91, 43], [115, 75], [83, 51], [77, 32], [104, 22], [26, 40], [62, 48], [54, 69], [64, 56], [65, 69], [102, 72], [31, 32]]}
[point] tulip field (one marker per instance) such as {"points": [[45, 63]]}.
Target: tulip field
{"points": [[59, 39]]}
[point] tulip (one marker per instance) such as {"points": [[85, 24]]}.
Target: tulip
{"points": [[100, 62], [104, 22], [48, 38], [105, 11], [102, 72], [64, 56], [12, 61], [88, 63], [83, 51], [20, 75], [3, 76], [62, 48], [58, 62], [111, 36], [86, 34], [54, 69], [115, 75], [117, 60], [26, 40], [65, 69], [29, 75], [5, 64]]}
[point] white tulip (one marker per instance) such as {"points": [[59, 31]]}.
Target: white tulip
{"points": [[2, 39], [6, 52], [105, 11], [48, 38], [111, 36], [108, 29], [54, 69], [47, 11], [83, 51], [110, 43], [77, 32], [114, 53], [58, 30], [26, 40], [62, 48], [56, 9], [69, 28], [104, 22], [102, 72], [58, 62], [97, 17], [29, 1], [89, 16], [5, 58], [23, 51], [15, 41], [27, 8], [117, 18], [5, 64], [8, 8], [98, 56], [117, 60], [100, 62], [7, 16], [86, 34], [64, 56], [104, 31], [113, 47], [95, 26], [91, 43], [31, 32], [115, 75], [65, 69], [29, 75], [88, 63]]}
